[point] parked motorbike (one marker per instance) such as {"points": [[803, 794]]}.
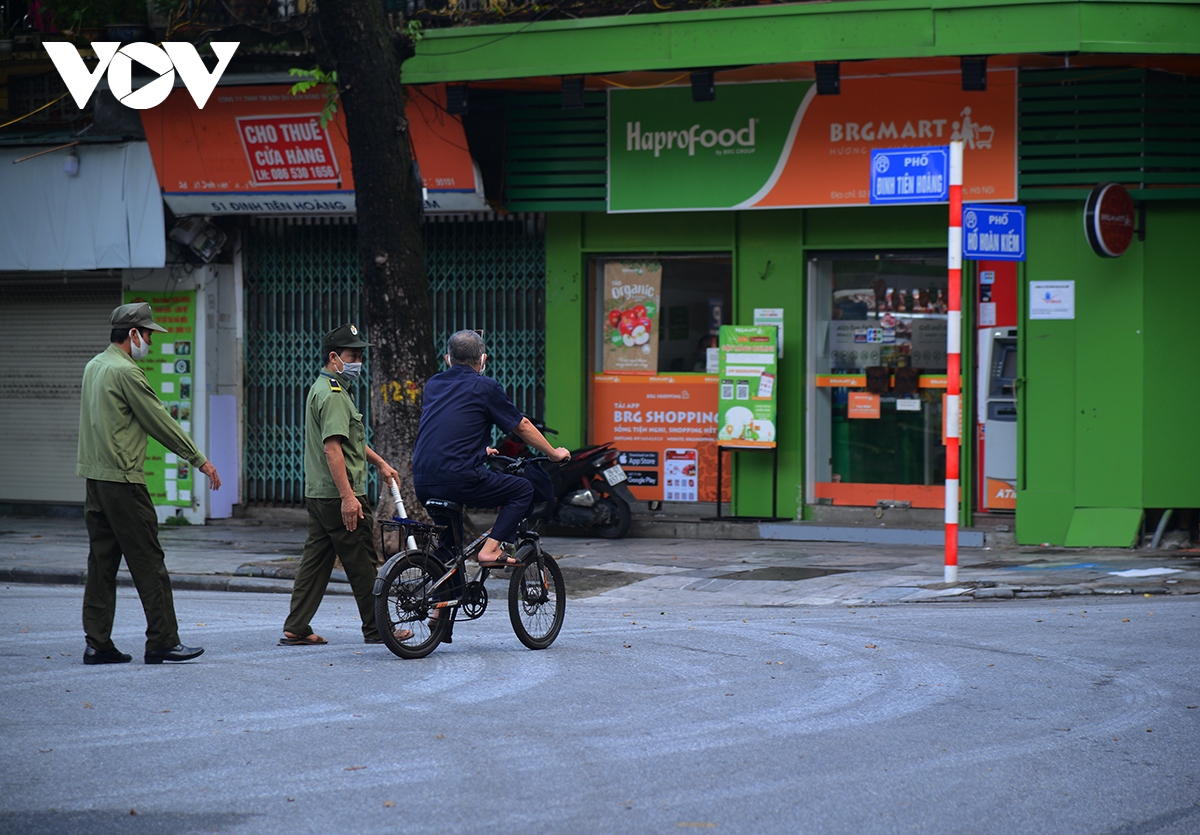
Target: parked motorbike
{"points": [[591, 490]]}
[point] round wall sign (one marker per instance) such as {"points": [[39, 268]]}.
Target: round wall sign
{"points": [[1108, 220]]}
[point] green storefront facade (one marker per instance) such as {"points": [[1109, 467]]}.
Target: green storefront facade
{"points": [[1105, 401]]}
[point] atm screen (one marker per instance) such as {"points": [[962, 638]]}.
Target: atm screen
{"points": [[1009, 370], [1004, 368]]}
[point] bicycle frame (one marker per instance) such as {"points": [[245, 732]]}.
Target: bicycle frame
{"points": [[433, 533]]}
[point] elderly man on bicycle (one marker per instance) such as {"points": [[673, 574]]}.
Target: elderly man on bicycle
{"points": [[459, 408]]}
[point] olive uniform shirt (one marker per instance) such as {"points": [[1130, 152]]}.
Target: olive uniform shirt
{"points": [[118, 409], [330, 413]]}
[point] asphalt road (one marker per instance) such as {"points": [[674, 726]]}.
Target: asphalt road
{"points": [[1021, 716]]}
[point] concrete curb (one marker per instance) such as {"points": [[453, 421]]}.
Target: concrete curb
{"points": [[733, 528], [808, 532], [965, 592], [189, 582], [974, 591]]}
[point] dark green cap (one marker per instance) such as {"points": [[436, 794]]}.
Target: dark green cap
{"points": [[135, 315], [347, 336]]}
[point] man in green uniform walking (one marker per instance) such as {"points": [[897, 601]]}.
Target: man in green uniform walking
{"points": [[340, 522], [117, 412]]}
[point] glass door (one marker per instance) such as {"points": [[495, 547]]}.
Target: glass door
{"points": [[877, 365]]}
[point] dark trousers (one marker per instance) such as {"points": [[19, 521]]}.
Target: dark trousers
{"points": [[121, 520], [328, 539], [512, 494]]}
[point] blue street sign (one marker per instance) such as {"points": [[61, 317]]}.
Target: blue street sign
{"points": [[993, 233], [910, 175]]}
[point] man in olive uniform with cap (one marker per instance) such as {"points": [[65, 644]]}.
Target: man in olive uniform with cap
{"points": [[118, 411], [340, 522]]}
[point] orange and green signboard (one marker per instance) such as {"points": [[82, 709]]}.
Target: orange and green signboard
{"points": [[780, 145], [666, 429]]}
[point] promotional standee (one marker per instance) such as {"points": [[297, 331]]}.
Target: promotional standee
{"points": [[746, 398], [169, 367]]}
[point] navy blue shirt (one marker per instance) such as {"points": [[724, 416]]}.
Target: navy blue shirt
{"points": [[458, 410]]}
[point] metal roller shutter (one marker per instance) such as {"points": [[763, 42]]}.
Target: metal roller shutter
{"points": [[51, 329]]}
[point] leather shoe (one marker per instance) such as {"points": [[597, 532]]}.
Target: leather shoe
{"points": [[175, 653], [110, 656]]}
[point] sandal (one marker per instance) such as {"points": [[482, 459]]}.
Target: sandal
{"points": [[311, 639], [399, 635], [506, 562]]}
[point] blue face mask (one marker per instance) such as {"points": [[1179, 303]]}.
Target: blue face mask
{"points": [[349, 370]]}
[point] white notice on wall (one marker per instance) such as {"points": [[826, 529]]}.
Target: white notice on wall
{"points": [[987, 314], [1052, 300], [771, 316]]}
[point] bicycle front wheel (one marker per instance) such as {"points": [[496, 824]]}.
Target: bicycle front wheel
{"points": [[537, 601], [403, 603]]}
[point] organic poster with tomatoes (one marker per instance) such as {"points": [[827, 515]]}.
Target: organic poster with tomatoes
{"points": [[632, 305]]}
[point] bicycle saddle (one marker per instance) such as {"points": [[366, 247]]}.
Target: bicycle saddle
{"points": [[443, 504]]}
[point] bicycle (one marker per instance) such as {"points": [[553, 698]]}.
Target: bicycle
{"points": [[416, 583]]}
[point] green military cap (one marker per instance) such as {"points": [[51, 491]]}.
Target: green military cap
{"points": [[347, 336], [135, 315]]}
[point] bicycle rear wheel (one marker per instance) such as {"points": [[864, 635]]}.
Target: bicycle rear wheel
{"points": [[404, 598], [536, 600]]}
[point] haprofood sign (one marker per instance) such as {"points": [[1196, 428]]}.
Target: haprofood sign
{"points": [[667, 152], [779, 145]]}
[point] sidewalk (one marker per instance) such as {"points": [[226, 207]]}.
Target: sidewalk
{"points": [[261, 555]]}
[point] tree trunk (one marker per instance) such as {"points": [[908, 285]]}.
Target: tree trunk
{"points": [[367, 54]]}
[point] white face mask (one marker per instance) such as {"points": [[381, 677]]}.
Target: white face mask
{"points": [[139, 349]]}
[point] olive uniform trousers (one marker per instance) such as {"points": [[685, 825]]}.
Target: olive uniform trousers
{"points": [[328, 539], [120, 520]]}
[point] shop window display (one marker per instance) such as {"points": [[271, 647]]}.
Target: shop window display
{"points": [[654, 321], [693, 298]]}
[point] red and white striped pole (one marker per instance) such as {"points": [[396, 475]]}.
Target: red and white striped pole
{"points": [[953, 407]]}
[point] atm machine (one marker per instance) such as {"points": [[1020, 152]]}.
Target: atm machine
{"points": [[998, 416]]}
